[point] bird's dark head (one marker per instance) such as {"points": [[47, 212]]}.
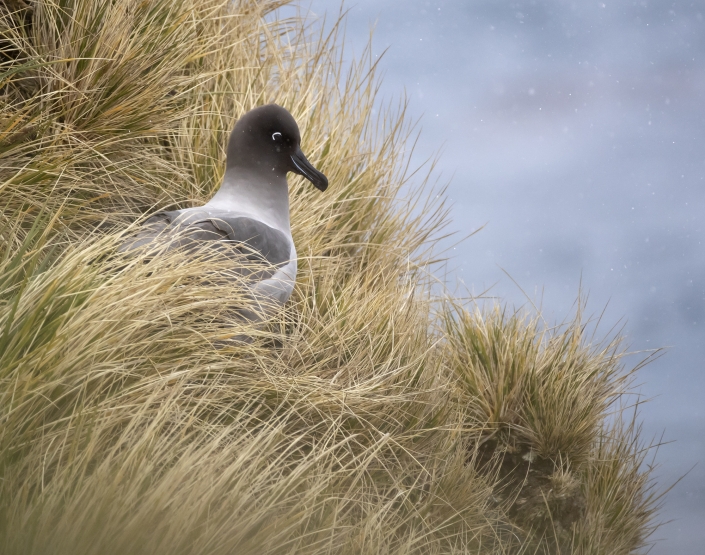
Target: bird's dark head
{"points": [[268, 139]]}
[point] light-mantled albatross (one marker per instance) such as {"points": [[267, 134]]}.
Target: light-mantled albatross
{"points": [[250, 211]]}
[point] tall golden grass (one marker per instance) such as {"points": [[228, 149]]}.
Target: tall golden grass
{"points": [[370, 416]]}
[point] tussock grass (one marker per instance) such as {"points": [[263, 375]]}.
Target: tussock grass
{"points": [[549, 387], [367, 416]]}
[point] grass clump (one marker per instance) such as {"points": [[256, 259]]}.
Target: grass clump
{"points": [[542, 395], [368, 417]]}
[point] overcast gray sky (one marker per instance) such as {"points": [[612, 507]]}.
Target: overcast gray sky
{"points": [[576, 132]]}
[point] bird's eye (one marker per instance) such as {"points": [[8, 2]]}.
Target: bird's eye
{"points": [[276, 136]]}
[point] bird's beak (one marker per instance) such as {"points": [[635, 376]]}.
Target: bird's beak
{"points": [[305, 168]]}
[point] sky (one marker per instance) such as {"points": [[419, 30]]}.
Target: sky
{"points": [[574, 132]]}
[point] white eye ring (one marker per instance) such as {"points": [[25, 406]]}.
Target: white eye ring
{"points": [[274, 135]]}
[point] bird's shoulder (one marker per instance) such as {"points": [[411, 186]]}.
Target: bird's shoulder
{"points": [[257, 236]]}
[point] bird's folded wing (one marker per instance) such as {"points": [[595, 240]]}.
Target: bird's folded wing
{"points": [[254, 240], [258, 240], [152, 228]]}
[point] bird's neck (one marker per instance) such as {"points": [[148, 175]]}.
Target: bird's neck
{"points": [[257, 193]]}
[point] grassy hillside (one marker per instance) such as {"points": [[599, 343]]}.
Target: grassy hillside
{"points": [[368, 417]]}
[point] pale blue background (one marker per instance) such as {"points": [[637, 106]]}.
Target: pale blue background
{"points": [[576, 131]]}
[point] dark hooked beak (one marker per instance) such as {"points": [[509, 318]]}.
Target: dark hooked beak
{"points": [[304, 167]]}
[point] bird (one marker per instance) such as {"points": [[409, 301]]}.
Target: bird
{"points": [[248, 216]]}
